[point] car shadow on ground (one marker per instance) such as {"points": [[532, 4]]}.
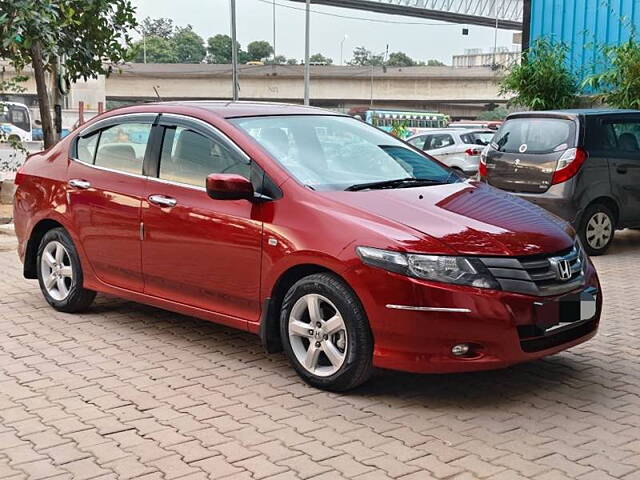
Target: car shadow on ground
{"points": [[530, 382]]}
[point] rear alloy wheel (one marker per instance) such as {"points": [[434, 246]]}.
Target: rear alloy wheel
{"points": [[597, 230], [60, 273], [325, 333]]}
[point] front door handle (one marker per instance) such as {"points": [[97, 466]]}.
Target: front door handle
{"points": [[621, 169], [80, 184], [163, 201]]}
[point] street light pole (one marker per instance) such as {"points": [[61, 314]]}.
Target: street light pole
{"points": [[234, 51], [342, 48], [306, 52]]}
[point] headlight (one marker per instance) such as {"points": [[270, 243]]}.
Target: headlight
{"points": [[438, 268]]}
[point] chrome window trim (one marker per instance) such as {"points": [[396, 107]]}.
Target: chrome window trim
{"points": [[111, 170], [98, 126]]}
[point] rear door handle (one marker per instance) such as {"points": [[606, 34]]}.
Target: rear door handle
{"points": [[163, 201], [621, 169], [80, 184]]}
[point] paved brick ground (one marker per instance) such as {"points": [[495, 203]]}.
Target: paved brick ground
{"points": [[131, 391]]}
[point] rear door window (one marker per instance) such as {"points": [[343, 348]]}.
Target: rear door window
{"points": [[122, 147], [418, 142], [438, 140], [535, 135]]}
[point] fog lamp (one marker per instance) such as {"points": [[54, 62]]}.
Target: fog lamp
{"points": [[460, 349]]}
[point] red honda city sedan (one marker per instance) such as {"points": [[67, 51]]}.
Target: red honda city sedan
{"points": [[334, 241]]}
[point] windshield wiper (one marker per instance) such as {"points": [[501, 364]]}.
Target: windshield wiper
{"points": [[397, 183]]}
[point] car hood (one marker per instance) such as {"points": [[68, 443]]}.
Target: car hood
{"points": [[470, 217]]}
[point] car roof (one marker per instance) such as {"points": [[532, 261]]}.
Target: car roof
{"points": [[575, 112], [458, 130], [230, 109]]}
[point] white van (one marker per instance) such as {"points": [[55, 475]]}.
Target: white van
{"points": [[15, 121]]}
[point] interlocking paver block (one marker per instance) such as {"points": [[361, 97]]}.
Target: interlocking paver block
{"points": [[127, 390]]}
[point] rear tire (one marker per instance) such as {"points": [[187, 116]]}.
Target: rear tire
{"points": [[597, 229], [325, 333], [60, 273]]}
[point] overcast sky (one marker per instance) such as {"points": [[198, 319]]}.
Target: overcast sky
{"points": [[428, 39]]}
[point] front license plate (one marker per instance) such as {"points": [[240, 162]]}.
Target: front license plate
{"points": [[574, 307]]}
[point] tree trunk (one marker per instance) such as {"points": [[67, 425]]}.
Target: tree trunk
{"points": [[43, 97], [56, 98]]}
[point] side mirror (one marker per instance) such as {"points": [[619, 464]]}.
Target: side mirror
{"points": [[228, 186], [37, 122]]}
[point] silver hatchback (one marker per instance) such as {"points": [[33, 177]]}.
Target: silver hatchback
{"points": [[458, 148]]}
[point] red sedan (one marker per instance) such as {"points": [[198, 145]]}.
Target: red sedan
{"points": [[332, 240]]}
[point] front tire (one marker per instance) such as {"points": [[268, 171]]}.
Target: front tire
{"points": [[325, 333], [60, 273], [597, 229]]}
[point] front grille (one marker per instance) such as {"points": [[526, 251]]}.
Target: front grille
{"points": [[536, 344], [537, 274]]}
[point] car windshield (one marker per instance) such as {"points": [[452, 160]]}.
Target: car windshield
{"points": [[328, 152]]}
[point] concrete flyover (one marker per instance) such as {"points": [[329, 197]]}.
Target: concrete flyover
{"points": [[460, 92]]}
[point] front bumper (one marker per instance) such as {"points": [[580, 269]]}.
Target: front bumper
{"points": [[501, 326]]}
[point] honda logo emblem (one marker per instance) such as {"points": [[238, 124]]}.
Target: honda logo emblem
{"points": [[562, 268]]}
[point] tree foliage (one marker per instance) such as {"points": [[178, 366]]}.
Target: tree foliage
{"points": [[434, 63], [259, 50], [619, 83], [543, 80], [400, 59], [80, 33], [319, 58], [158, 27], [188, 45], [362, 56]]}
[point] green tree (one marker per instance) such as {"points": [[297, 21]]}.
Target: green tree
{"points": [[219, 49], [434, 63], [619, 83], [542, 81], [158, 27], [278, 60], [498, 113], [259, 50], [319, 58], [292, 61], [188, 45], [362, 56], [83, 35], [158, 50], [400, 59]]}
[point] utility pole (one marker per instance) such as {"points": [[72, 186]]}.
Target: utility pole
{"points": [[234, 52], [274, 32], [306, 53]]}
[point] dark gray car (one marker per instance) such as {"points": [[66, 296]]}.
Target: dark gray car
{"points": [[582, 165]]}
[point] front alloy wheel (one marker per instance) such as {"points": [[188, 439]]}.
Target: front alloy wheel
{"points": [[317, 335], [325, 333]]}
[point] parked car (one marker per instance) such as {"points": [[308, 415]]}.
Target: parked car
{"points": [[582, 165], [329, 238], [460, 149]]}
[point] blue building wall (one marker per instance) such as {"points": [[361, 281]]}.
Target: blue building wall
{"points": [[584, 25]]}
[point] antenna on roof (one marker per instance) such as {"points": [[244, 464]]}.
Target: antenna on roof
{"points": [[155, 89]]}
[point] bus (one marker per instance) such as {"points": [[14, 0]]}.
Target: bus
{"points": [[15, 121], [408, 121]]}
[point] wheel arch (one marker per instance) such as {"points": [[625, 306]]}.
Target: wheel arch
{"points": [[269, 330], [30, 269]]}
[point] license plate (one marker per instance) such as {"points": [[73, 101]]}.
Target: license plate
{"points": [[571, 308]]}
